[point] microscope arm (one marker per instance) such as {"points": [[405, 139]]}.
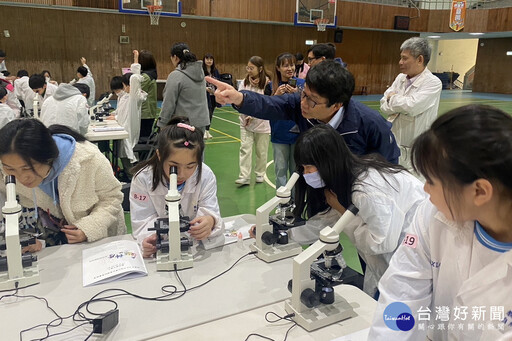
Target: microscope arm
{"points": [[173, 205], [283, 195], [328, 241], [99, 104]]}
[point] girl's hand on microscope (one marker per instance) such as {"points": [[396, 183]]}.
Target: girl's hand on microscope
{"points": [[33, 247], [149, 246], [252, 231], [201, 227]]}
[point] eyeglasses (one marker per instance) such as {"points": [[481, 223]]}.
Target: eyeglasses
{"points": [[310, 59], [311, 103]]}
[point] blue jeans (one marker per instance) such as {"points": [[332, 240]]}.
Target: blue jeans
{"points": [[283, 162]]}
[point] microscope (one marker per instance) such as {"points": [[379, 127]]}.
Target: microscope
{"points": [[173, 245], [272, 242], [101, 109], [16, 270], [314, 303]]}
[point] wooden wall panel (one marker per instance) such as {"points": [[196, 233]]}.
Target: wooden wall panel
{"points": [[476, 20], [493, 72], [356, 14], [371, 56], [500, 19], [267, 10]]}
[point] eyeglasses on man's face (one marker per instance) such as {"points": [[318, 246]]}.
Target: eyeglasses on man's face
{"points": [[311, 103]]}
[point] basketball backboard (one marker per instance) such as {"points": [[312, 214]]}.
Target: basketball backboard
{"points": [[307, 11], [171, 8]]}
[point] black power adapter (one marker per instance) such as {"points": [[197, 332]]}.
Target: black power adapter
{"points": [[104, 323]]}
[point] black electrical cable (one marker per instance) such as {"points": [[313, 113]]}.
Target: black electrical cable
{"points": [[279, 318], [79, 316]]}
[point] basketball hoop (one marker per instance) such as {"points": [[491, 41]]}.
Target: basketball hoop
{"points": [[321, 24], [154, 13]]}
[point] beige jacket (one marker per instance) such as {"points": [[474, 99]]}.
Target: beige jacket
{"points": [[89, 194]]}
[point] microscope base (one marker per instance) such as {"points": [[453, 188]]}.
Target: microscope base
{"points": [[323, 315], [164, 264], [30, 277], [277, 251]]}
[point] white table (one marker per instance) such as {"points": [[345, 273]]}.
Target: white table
{"points": [[95, 136], [233, 304]]}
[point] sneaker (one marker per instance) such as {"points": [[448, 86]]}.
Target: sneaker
{"points": [[260, 179], [209, 135], [242, 181], [205, 136]]}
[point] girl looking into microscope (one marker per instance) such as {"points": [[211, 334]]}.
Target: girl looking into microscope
{"points": [[65, 185], [333, 178], [181, 145]]}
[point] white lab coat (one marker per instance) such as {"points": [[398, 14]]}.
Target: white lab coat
{"points": [[6, 114], [128, 113], [416, 105], [50, 90], [24, 92], [444, 269], [386, 209], [89, 81], [196, 200], [67, 107]]}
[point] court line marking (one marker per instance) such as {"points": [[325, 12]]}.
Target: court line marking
{"points": [[220, 142], [265, 177], [226, 120], [228, 111], [223, 133]]}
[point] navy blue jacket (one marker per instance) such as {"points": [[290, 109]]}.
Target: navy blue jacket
{"points": [[365, 131]]}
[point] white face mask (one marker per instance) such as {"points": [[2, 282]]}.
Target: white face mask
{"points": [[314, 180]]}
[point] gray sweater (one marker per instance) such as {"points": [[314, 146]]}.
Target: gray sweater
{"points": [[185, 95]]}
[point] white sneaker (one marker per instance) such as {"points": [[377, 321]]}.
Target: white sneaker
{"points": [[205, 136], [260, 179], [209, 135], [242, 181]]}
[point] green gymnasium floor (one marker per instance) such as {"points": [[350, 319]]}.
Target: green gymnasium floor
{"points": [[221, 155]]}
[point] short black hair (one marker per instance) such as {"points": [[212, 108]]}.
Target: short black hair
{"points": [[324, 50], [332, 81], [2, 54], [36, 81], [116, 83], [83, 88], [22, 73], [82, 70], [126, 78], [3, 92], [6, 73]]}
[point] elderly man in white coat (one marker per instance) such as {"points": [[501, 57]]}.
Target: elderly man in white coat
{"points": [[412, 101]]}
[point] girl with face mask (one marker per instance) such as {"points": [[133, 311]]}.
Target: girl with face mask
{"points": [[333, 178]]}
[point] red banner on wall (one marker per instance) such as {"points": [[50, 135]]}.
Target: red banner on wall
{"points": [[457, 15]]}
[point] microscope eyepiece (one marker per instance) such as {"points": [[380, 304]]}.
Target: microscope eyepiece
{"points": [[10, 179], [173, 170]]}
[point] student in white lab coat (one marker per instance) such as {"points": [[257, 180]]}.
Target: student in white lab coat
{"points": [[181, 145], [6, 113], [455, 265], [333, 178], [68, 107], [84, 75], [43, 90], [23, 91], [128, 112]]}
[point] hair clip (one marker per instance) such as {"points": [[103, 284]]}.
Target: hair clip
{"points": [[185, 51], [186, 143], [186, 126]]}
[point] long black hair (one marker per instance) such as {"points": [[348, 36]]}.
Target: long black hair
{"points": [[32, 141], [323, 147], [465, 144], [182, 51], [170, 137], [213, 67]]}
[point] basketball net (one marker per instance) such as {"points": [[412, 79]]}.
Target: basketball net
{"points": [[321, 24], [154, 13]]}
